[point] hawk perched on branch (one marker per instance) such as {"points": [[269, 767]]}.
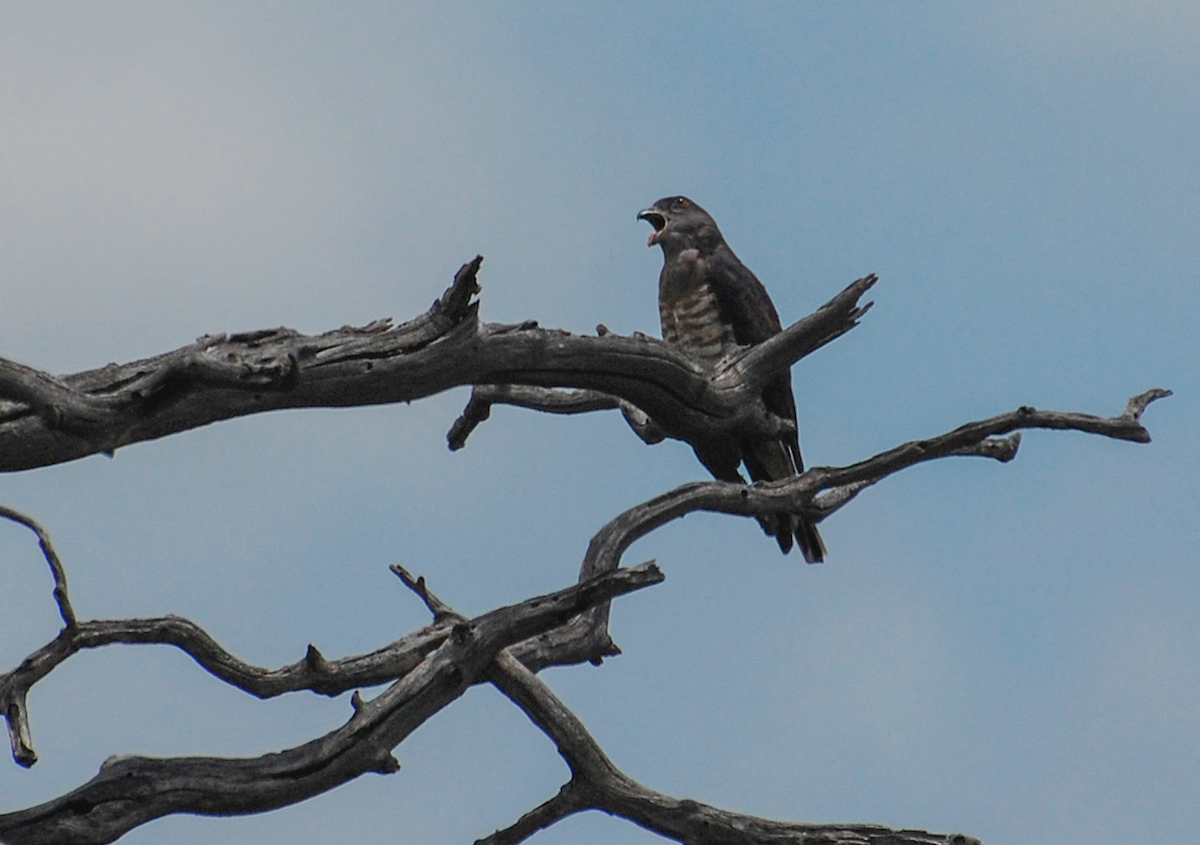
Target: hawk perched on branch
{"points": [[708, 303]]}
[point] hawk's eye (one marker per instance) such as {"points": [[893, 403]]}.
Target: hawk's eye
{"points": [[682, 202]]}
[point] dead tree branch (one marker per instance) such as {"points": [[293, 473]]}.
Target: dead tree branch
{"points": [[799, 494], [61, 597], [46, 420], [819, 492], [435, 664], [130, 791], [741, 376], [597, 784], [551, 401], [313, 672]]}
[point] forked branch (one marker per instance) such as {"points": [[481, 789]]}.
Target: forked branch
{"points": [[597, 784], [730, 391], [46, 419], [819, 492], [435, 664], [130, 791]]}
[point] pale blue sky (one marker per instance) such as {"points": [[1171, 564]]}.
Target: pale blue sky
{"points": [[1011, 651]]}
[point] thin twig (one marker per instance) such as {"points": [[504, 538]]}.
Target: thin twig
{"points": [[438, 608], [56, 568], [548, 400]]}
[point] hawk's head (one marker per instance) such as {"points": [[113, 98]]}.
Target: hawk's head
{"points": [[679, 224]]}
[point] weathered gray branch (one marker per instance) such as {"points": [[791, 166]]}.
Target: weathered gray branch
{"points": [[129, 791], [61, 597], [551, 401], [46, 419], [597, 784], [313, 672], [819, 492], [582, 636], [744, 373], [13, 703], [800, 493]]}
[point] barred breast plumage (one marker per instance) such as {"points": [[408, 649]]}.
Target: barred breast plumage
{"points": [[692, 321]]}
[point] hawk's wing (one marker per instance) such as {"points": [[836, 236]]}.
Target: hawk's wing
{"points": [[747, 307], [744, 301]]}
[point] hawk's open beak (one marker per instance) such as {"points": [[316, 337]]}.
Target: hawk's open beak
{"points": [[656, 219]]}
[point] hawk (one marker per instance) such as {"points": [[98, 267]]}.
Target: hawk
{"points": [[709, 303]]}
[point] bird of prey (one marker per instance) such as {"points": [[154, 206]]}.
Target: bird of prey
{"points": [[709, 303]]}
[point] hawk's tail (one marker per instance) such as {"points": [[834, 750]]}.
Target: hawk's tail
{"points": [[786, 526], [810, 542], [770, 460]]}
